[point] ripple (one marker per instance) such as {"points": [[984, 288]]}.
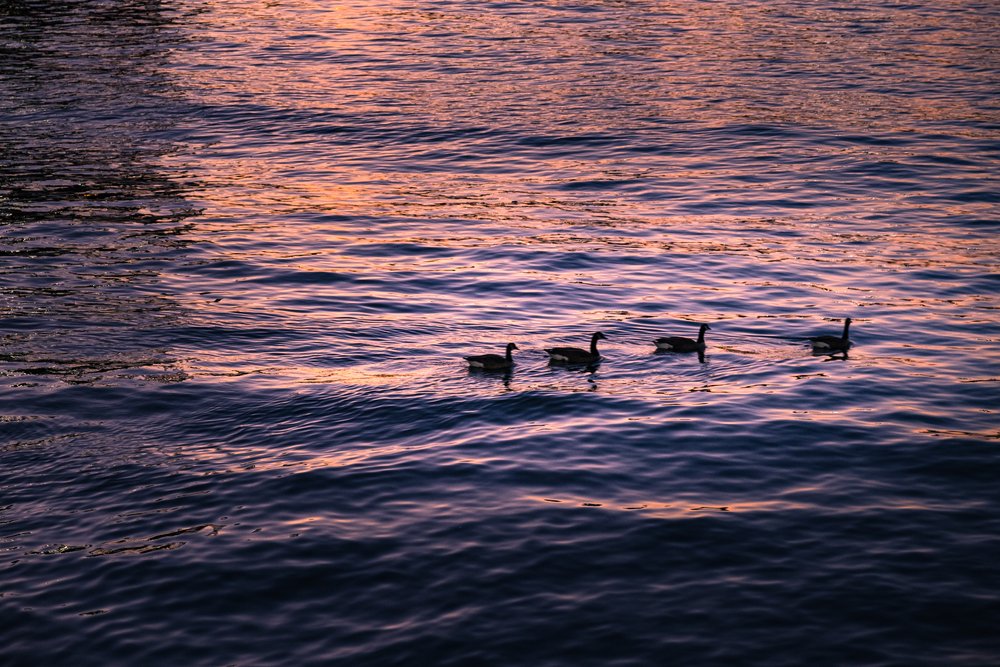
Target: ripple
{"points": [[245, 248]]}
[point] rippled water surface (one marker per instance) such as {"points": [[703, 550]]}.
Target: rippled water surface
{"points": [[244, 247]]}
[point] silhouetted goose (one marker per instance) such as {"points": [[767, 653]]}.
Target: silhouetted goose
{"points": [[832, 343], [682, 344], [493, 362], [574, 355]]}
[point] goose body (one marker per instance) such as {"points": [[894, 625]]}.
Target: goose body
{"points": [[576, 355], [682, 344], [493, 362], [832, 343]]}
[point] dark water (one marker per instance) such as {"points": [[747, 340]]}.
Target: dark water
{"points": [[244, 247]]}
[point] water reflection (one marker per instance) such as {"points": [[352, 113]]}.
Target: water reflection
{"points": [[492, 374], [90, 218], [383, 183], [831, 356], [700, 354]]}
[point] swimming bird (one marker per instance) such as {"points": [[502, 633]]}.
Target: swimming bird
{"points": [[574, 355], [832, 343], [682, 344], [492, 362]]}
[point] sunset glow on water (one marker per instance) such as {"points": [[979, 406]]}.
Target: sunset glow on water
{"points": [[246, 246]]}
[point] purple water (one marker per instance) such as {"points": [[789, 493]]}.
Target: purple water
{"points": [[245, 246]]}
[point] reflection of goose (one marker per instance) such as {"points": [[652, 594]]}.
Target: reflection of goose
{"points": [[682, 344], [574, 355], [832, 343], [492, 362]]}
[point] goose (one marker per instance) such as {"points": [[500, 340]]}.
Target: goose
{"points": [[682, 344], [832, 343], [492, 362], [574, 355]]}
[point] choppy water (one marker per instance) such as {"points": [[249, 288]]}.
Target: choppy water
{"points": [[244, 247]]}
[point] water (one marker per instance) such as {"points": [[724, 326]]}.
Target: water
{"points": [[245, 247]]}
